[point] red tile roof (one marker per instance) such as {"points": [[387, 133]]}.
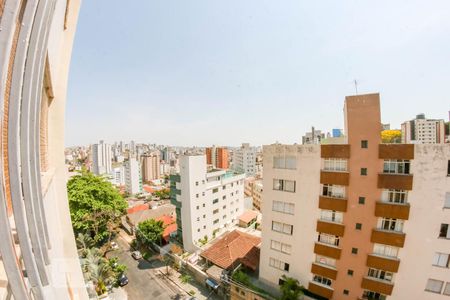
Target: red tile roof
{"points": [[148, 189], [170, 225], [233, 248], [248, 216], [137, 208]]}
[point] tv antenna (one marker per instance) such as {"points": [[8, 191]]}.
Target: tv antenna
{"points": [[356, 86]]}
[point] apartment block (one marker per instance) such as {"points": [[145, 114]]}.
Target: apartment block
{"points": [[244, 159], [133, 179], [151, 166], [101, 158], [217, 157], [254, 188], [358, 220], [423, 131], [207, 202]]}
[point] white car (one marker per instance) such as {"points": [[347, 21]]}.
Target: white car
{"points": [[136, 255], [114, 246]]}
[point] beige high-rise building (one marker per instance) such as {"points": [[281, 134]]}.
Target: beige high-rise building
{"points": [[423, 131], [359, 220], [151, 166]]}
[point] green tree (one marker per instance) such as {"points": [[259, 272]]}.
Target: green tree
{"points": [[163, 194], [97, 269], [117, 268], [185, 278], [150, 231], [84, 243], [95, 206], [242, 278], [290, 289]]}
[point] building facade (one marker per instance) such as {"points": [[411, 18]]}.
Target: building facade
{"points": [[423, 131], [207, 202], [101, 158], [133, 179], [217, 157], [151, 166], [350, 221], [244, 160]]}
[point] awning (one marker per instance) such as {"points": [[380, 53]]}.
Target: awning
{"points": [[212, 283]]}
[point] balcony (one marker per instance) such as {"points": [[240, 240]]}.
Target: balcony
{"points": [[391, 238], [335, 151], [320, 290], [338, 178], [330, 228], [390, 264], [327, 250], [395, 181], [396, 151], [392, 210], [326, 271], [377, 285], [333, 203]]}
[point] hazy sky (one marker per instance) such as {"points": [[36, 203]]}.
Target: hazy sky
{"points": [[224, 72]]}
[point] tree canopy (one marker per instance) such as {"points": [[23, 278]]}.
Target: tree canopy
{"points": [[391, 136], [95, 206], [290, 289], [150, 231]]}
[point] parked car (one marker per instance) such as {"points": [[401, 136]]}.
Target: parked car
{"points": [[136, 255], [114, 246], [123, 280]]}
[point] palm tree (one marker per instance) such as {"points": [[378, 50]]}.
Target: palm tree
{"points": [[98, 270], [84, 243], [290, 289]]}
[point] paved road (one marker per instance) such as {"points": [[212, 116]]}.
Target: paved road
{"points": [[143, 283]]}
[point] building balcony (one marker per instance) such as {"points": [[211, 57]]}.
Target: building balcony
{"points": [[333, 203], [377, 285], [392, 210], [392, 238], [335, 151], [395, 181], [323, 270], [327, 250], [396, 151], [331, 177], [321, 290], [330, 228], [390, 264]]}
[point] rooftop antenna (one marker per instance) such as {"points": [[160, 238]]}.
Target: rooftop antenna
{"points": [[356, 86]]}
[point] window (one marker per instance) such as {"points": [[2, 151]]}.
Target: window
{"points": [[447, 289], [224, 187], [364, 144], [444, 232], [358, 226], [350, 272], [215, 201], [346, 292], [328, 239], [216, 211], [390, 224], [448, 168], [285, 162], [196, 183], [331, 190], [380, 274], [215, 190], [325, 260], [281, 247], [364, 171], [396, 166], [441, 260], [385, 250], [447, 200], [224, 197], [203, 204], [204, 216], [284, 185], [434, 286], [196, 196], [216, 221], [331, 216], [224, 207], [362, 200], [373, 295], [198, 207], [394, 196], [322, 280], [278, 264], [198, 219], [283, 228], [283, 207], [335, 164], [354, 250], [224, 216]]}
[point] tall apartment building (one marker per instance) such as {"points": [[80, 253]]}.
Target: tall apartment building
{"points": [[217, 157], [38, 255], [207, 202], [423, 131], [313, 137], [151, 166], [133, 179], [360, 220], [101, 158], [118, 176], [244, 160], [254, 188]]}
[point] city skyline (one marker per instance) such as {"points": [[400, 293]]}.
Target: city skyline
{"points": [[257, 64]]}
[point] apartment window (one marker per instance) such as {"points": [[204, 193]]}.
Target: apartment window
{"points": [[325, 260], [444, 232], [354, 250], [350, 272], [198, 219], [346, 292], [203, 194], [390, 224], [284, 185], [204, 216], [203, 204], [198, 207], [281, 247], [196, 195], [204, 226], [224, 216], [373, 295], [216, 211], [380, 274], [441, 260], [396, 166], [434, 286], [198, 230], [364, 144], [283, 228], [224, 207], [216, 221], [322, 280], [285, 162], [364, 171], [215, 190], [448, 168], [447, 200], [331, 190], [331, 216], [215, 201], [328, 239], [358, 226], [394, 196], [335, 164], [385, 250], [278, 264], [362, 200], [283, 207], [196, 183], [224, 187], [447, 289]]}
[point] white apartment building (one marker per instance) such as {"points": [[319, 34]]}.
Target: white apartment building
{"points": [[244, 159], [118, 176], [133, 180], [423, 131], [207, 202], [101, 158]]}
